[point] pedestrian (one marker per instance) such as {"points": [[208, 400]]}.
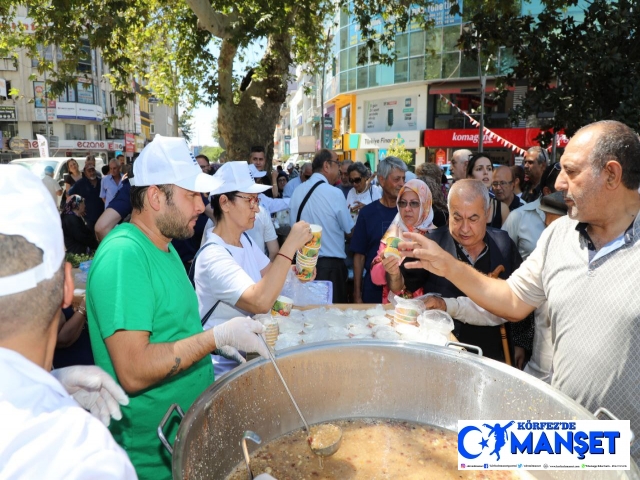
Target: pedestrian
{"points": [[317, 202], [343, 183], [144, 324], [110, 183], [305, 172], [46, 430], [231, 273], [53, 187], [480, 167], [535, 161], [585, 265], [89, 187], [373, 222], [502, 187], [485, 249], [415, 214], [78, 238], [362, 193]]}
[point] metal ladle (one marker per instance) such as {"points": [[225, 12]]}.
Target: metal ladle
{"points": [[321, 452]]}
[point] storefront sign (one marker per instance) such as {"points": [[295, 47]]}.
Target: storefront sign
{"points": [[375, 141], [140, 141], [3, 87], [337, 143], [8, 113], [130, 142], [327, 134], [66, 110], [110, 145], [41, 114], [303, 144], [17, 144], [468, 138], [398, 113], [441, 157]]}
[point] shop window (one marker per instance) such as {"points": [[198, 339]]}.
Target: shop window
{"points": [[353, 57], [363, 77], [451, 65], [75, 132], [344, 38], [451, 36], [507, 61], [343, 82], [401, 71], [353, 35], [442, 107], [373, 75], [97, 132], [416, 69], [345, 119], [416, 44], [468, 67], [352, 80], [47, 53], [434, 66], [434, 40], [402, 45], [85, 93], [40, 128], [344, 60], [344, 17], [84, 62], [387, 73]]}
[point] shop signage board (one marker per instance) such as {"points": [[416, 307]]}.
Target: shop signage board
{"points": [[303, 144], [375, 141], [41, 114], [130, 142], [468, 138], [388, 114], [327, 134], [110, 145], [66, 110], [441, 157], [8, 113]]}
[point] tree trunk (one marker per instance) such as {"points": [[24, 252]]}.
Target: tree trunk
{"points": [[253, 119]]}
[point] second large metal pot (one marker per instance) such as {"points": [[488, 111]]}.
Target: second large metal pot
{"points": [[350, 379]]}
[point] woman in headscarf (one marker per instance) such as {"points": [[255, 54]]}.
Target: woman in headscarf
{"points": [[78, 238], [415, 214]]}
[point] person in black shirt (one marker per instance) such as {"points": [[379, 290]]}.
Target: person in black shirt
{"points": [[78, 238]]}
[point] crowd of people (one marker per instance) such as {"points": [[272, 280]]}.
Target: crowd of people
{"points": [[543, 255]]}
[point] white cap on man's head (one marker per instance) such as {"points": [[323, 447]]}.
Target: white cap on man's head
{"points": [[255, 173], [27, 210], [236, 177], [168, 160]]}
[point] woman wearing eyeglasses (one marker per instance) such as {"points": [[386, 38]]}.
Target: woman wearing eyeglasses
{"points": [[415, 214], [232, 276], [362, 193]]}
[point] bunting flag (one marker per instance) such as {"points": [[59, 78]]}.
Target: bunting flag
{"points": [[485, 130]]}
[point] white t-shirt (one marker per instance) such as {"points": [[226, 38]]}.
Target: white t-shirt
{"points": [[53, 188], [223, 272], [46, 434], [370, 195], [263, 230]]}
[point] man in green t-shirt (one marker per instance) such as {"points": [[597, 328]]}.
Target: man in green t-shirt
{"points": [[143, 312]]}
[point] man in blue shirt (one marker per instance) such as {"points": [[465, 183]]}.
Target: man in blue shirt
{"points": [[327, 207], [305, 173], [373, 222]]}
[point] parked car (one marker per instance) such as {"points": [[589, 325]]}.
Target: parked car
{"points": [[59, 164]]}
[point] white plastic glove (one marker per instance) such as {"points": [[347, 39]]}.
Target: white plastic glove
{"points": [[265, 476], [240, 333], [94, 390]]}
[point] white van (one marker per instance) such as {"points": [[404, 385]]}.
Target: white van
{"points": [[59, 164]]}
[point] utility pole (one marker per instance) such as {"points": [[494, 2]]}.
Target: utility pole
{"points": [[324, 70]]}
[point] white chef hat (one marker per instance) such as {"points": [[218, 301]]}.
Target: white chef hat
{"points": [[27, 210]]}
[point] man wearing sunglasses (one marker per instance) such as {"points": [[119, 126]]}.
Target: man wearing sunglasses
{"points": [[88, 187]]}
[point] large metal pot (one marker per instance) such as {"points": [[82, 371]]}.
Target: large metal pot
{"points": [[350, 379]]}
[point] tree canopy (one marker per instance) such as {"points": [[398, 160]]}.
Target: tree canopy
{"points": [[579, 69], [187, 49]]}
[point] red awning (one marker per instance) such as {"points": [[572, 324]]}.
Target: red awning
{"points": [[468, 138]]}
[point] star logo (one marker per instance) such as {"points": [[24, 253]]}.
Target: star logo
{"points": [[484, 443]]}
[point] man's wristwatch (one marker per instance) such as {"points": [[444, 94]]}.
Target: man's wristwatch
{"points": [[82, 310]]}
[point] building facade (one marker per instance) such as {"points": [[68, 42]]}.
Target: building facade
{"points": [[75, 121], [421, 99]]}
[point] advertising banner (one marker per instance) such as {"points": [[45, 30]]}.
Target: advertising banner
{"points": [[388, 114], [375, 141]]}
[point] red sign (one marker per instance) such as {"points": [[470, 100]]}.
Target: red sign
{"points": [[129, 142], [441, 157], [468, 138]]}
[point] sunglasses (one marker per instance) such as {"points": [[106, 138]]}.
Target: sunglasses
{"points": [[355, 180], [412, 204]]}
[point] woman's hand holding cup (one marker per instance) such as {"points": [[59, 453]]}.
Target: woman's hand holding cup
{"points": [[299, 235]]}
